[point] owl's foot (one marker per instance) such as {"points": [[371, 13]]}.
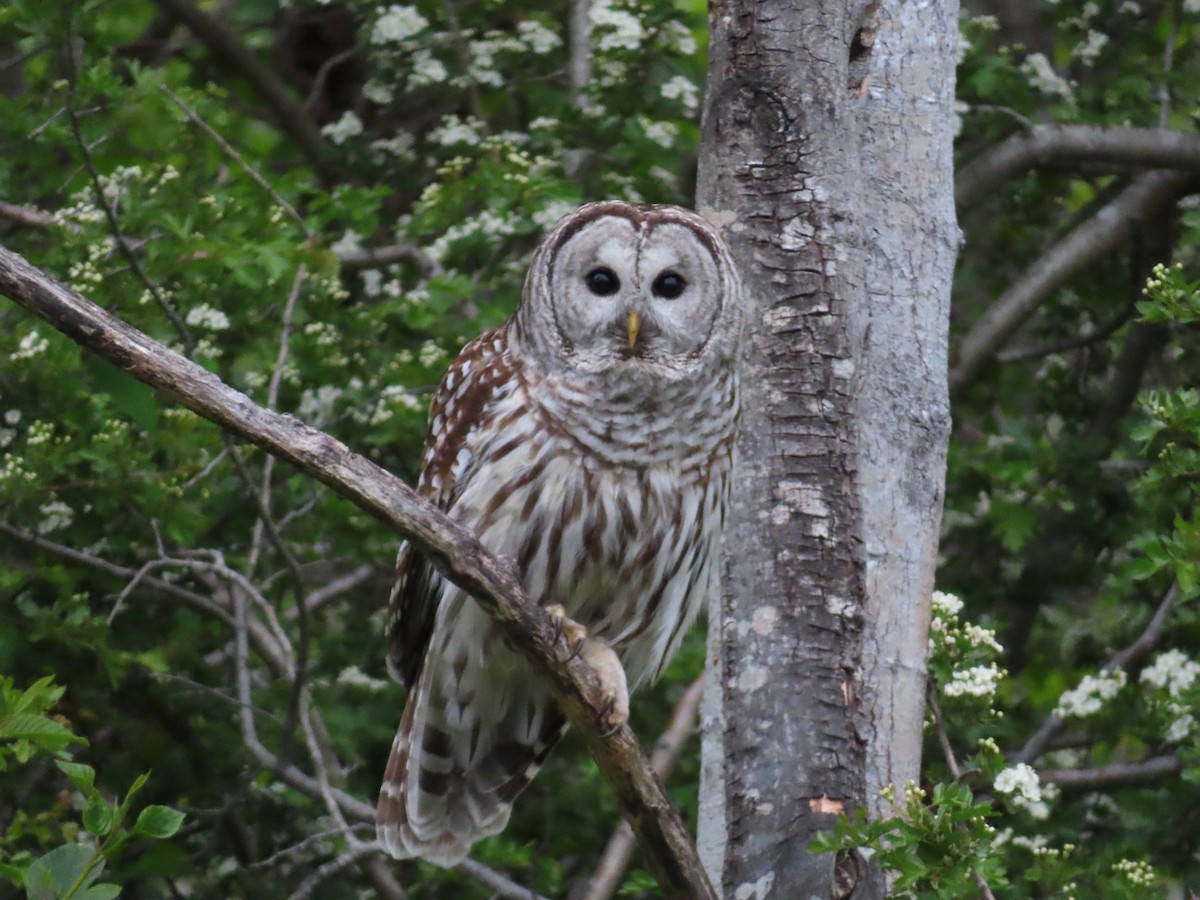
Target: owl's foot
{"points": [[613, 711], [568, 630], [614, 708]]}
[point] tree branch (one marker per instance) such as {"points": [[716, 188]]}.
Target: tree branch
{"points": [[1042, 145], [1113, 775], [1094, 239], [293, 118], [454, 549], [607, 877], [1037, 744]]}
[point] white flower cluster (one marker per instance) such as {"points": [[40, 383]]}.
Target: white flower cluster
{"points": [[12, 417], [31, 345], [1089, 48], [454, 130], [85, 274], [1174, 672], [615, 29], [12, 468], [682, 89], [1042, 76], [482, 66], [958, 639], [677, 37], [537, 37], [353, 676], [205, 316], [348, 126], [392, 396], [426, 69], [977, 681], [1140, 873], [661, 133], [1023, 787], [548, 215], [316, 406], [398, 23], [487, 223], [56, 515], [1090, 696]]}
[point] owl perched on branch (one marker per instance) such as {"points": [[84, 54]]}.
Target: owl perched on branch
{"points": [[590, 439]]}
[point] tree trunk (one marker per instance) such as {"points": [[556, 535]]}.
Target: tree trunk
{"points": [[826, 160]]}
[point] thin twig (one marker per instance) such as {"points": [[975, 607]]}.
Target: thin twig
{"points": [[232, 153], [939, 725], [1050, 728], [110, 215], [326, 594], [325, 871], [504, 887]]}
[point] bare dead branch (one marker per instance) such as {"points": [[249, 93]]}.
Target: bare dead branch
{"points": [[1094, 239], [1041, 145], [615, 859], [504, 887], [1147, 771], [293, 118], [455, 550], [1143, 644], [28, 216], [327, 593]]}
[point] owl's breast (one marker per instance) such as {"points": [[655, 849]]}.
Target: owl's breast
{"points": [[629, 551]]}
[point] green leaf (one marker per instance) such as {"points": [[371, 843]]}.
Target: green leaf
{"points": [[82, 776], [138, 784], [50, 877], [98, 892], [98, 816], [158, 821], [44, 732]]}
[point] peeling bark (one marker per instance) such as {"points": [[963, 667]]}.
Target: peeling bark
{"points": [[826, 161]]}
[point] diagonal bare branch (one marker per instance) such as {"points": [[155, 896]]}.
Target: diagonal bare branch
{"points": [[1042, 145], [1147, 196], [455, 550]]}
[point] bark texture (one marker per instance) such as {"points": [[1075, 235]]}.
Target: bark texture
{"points": [[826, 159]]}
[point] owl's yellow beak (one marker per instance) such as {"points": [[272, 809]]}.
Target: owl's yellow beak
{"points": [[634, 325]]}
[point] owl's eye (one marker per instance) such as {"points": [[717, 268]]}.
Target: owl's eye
{"points": [[602, 281], [668, 285]]}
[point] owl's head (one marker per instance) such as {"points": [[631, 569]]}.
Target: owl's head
{"points": [[641, 289]]}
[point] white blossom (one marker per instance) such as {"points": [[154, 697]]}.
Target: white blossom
{"points": [[56, 515], [661, 133], [1089, 48], [205, 316], [397, 23], [377, 92], [616, 29], [348, 126], [12, 417], [549, 214], [350, 242], [681, 87], [454, 130], [31, 345], [1022, 786], [1091, 694], [677, 37], [426, 69], [537, 36], [353, 676], [1042, 76], [316, 406], [945, 605], [977, 681], [1172, 671]]}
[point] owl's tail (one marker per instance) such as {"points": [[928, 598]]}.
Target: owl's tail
{"points": [[448, 786]]}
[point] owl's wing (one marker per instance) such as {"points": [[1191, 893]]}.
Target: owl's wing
{"points": [[472, 382]]}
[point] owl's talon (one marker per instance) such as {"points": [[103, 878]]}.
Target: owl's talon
{"points": [[567, 630]]}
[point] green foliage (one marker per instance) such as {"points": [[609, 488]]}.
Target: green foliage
{"points": [[453, 133], [69, 871]]}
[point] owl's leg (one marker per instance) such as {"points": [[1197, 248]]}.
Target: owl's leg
{"points": [[614, 709]]}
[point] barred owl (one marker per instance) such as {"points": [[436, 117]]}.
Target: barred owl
{"points": [[590, 439]]}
